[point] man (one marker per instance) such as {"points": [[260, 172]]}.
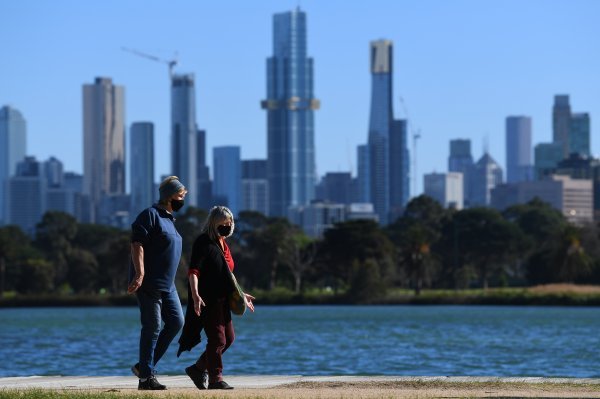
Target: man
{"points": [[155, 255]]}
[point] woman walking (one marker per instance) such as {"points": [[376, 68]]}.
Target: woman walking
{"points": [[209, 288]]}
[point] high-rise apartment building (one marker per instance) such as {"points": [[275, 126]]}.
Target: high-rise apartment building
{"points": [[227, 181], [184, 134], [579, 134], [518, 149], [546, 158], [103, 142], [388, 152], [141, 155], [561, 121], [290, 106], [205, 200]]}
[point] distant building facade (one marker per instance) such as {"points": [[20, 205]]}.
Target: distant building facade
{"points": [[461, 161], [255, 186], [579, 134], [26, 195], [561, 121], [227, 182], [485, 175], [445, 188], [547, 157]]}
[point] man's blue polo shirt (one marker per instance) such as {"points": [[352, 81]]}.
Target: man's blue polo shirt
{"points": [[154, 228]]}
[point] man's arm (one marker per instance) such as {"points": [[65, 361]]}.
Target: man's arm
{"points": [[137, 256]]}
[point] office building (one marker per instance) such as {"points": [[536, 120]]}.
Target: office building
{"points": [[205, 200], [184, 134], [579, 134], [54, 171], [13, 144], [317, 217], [485, 175], [255, 186], [518, 149], [337, 187], [399, 167], [141, 154], [561, 121], [227, 179], [103, 142], [26, 195], [572, 197], [546, 158], [290, 106], [461, 161], [445, 188], [363, 175]]}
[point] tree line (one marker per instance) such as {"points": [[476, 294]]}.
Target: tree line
{"points": [[427, 247]]}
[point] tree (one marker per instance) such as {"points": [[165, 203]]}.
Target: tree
{"points": [[299, 255], [83, 271], [354, 242], [54, 235], [36, 277], [487, 241], [570, 259], [14, 247]]}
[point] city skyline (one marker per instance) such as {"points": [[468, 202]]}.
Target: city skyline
{"points": [[459, 76]]}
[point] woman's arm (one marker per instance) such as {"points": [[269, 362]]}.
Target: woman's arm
{"points": [[198, 302]]}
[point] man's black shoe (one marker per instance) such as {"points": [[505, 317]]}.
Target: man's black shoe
{"points": [[151, 384], [200, 378], [219, 385]]}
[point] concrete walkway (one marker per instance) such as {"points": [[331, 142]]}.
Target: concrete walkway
{"points": [[249, 381]]}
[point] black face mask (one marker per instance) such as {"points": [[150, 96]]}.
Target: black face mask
{"points": [[224, 231], [176, 204]]}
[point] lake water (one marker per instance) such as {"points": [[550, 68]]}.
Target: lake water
{"points": [[321, 340]]}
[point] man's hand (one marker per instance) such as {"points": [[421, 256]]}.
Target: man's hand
{"points": [[135, 283]]}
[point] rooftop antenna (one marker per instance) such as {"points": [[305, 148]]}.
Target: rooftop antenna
{"points": [[171, 63]]}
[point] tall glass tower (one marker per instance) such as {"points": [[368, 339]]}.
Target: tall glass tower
{"points": [[561, 120], [387, 139], [290, 107], [518, 149], [579, 134], [142, 167], [103, 142], [12, 149], [227, 169], [184, 134]]}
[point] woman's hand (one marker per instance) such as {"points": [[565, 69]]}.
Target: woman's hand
{"points": [[198, 303], [248, 299]]}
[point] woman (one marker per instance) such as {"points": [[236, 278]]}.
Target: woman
{"points": [[209, 287], [155, 254]]}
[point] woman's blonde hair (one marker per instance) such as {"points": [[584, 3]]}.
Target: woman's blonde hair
{"points": [[216, 216]]}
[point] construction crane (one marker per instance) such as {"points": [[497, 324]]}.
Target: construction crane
{"points": [[415, 134], [170, 63]]}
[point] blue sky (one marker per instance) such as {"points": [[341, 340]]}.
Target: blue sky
{"points": [[460, 67]]}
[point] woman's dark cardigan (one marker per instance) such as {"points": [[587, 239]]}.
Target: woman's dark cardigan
{"points": [[213, 284]]}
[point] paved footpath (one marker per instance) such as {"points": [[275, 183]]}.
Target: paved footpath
{"points": [[252, 381]]}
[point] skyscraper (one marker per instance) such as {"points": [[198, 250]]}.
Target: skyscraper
{"points": [[26, 195], [141, 155], [561, 120], [518, 149], [445, 188], [227, 183], [363, 175], [579, 134], [205, 200], [183, 134], [13, 140], [103, 141], [388, 152], [546, 158], [290, 106]]}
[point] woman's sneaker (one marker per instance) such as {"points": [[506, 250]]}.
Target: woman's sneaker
{"points": [[151, 384]]}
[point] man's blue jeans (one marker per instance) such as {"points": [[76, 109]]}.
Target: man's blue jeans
{"points": [[155, 307]]}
